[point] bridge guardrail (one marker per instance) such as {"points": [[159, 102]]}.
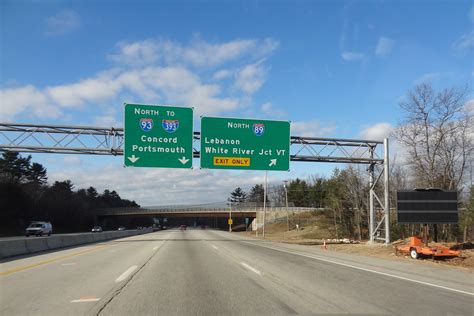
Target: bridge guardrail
{"points": [[140, 211]]}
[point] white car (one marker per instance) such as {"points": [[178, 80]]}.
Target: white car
{"points": [[39, 229], [96, 229]]}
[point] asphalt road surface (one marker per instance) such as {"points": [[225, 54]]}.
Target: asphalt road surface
{"points": [[207, 272]]}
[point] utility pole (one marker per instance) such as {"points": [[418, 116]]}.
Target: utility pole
{"points": [[265, 203], [256, 220], [286, 199], [230, 217]]}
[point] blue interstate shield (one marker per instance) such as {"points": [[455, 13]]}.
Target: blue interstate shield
{"points": [[146, 124], [258, 129], [170, 125]]}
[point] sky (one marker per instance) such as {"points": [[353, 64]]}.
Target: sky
{"points": [[333, 68]]}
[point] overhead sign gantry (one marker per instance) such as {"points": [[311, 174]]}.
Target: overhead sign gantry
{"points": [[92, 140]]}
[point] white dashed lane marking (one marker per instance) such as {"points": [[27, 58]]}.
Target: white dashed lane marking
{"points": [[86, 299], [251, 268], [124, 275]]}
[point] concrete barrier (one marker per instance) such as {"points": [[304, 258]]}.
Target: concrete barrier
{"points": [[36, 245], [13, 248], [23, 245]]}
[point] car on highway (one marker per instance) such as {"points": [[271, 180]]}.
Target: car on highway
{"points": [[96, 229], [121, 228], [39, 229]]}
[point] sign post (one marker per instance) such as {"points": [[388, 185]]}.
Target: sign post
{"points": [[245, 144], [158, 136]]}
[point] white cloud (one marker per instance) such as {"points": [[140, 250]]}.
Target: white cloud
{"points": [[250, 78], [25, 100], [63, 22], [311, 128], [136, 53], [351, 56], [464, 43], [197, 53], [378, 131], [267, 108], [205, 54], [108, 119], [469, 107], [384, 46], [222, 74], [153, 187], [72, 160], [271, 111], [98, 89], [428, 77], [176, 85], [172, 82]]}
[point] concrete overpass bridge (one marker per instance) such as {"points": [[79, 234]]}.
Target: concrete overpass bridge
{"points": [[209, 215], [178, 212]]}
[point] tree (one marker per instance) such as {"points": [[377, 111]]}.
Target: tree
{"points": [[92, 193], [63, 187], [334, 198], [26, 196], [37, 174], [256, 194], [467, 216], [237, 196], [276, 195], [355, 192], [298, 193], [436, 131], [14, 168]]}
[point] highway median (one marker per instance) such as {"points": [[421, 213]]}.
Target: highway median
{"points": [[24, 246]]}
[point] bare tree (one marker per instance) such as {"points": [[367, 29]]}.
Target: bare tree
{"points": [[437, 133], [356, 191]]}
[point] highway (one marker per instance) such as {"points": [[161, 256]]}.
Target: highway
{"points": [[209, 272]]}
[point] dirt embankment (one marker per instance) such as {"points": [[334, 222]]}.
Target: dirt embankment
{"points": [[314, 233]]}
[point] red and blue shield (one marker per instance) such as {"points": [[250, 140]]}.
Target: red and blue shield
{"points": [[258, 129], [170, 125], [146, 124]]}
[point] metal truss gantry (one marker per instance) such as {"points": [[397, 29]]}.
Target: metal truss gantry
{"points": [[89, 140]]}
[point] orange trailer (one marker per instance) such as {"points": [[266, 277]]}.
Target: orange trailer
{"points": [[416, 249]]}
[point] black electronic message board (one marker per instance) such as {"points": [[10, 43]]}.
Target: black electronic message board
{"points": [[427, 207]]}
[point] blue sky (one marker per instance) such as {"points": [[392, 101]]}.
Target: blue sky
{"points": [[334, 68]]}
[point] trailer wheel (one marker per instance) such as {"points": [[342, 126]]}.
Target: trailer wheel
{"points": [[414, 254]]}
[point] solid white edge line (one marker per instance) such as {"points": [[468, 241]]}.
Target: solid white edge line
{"points": [[124, 275], [155, 248], [367, 270], [215, 247], [83, 300], [251, 268]]}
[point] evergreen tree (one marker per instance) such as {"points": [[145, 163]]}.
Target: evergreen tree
{"points": [[37, 174], [237, 196], [14, 168], [257, 193]]}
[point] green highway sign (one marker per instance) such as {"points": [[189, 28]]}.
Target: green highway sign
{"points": [[158, 136], [245, 144]]}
